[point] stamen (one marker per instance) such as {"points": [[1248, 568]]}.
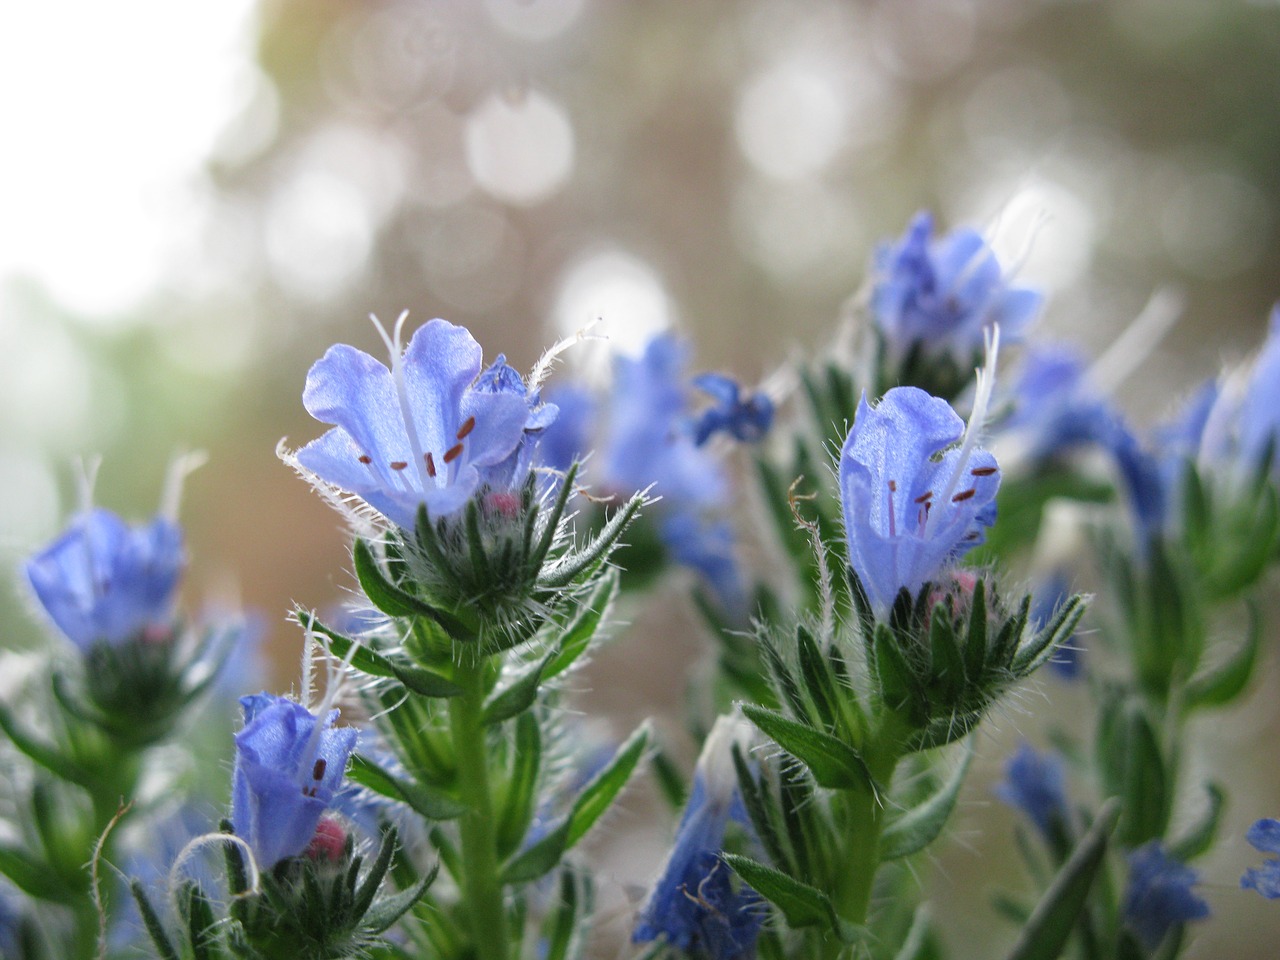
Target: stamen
{"points": [[893, 520], [466, 427], [964, 495], [431, 465], [317, 771], [402, 392], [983, 471], [365, 459], [924, 497], [398, 464], [453, 453]]}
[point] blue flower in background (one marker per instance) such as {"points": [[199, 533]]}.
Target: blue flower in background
{"points": [[1158, 896], [694, 906], [1067, 661], [909, 512], [706, 544], [1264, 836], [104, 581], [569, 438], [502, 378], [943, 294], [289, 765], [422, 432], [1034, 783], [745, 418], [648, 442]]}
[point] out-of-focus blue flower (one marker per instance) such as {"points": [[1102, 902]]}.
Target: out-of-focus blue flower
{"points": [[909, 512], [746, 418], [1158, 895], [1264, 836], [569, 438], [1049, 596], [104, 581], [694, 907], [648, 443], [1034, 783], [943, 294], [289, 765], [422, 432], [707, 546]]}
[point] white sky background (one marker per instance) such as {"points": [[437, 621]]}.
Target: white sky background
{"points": [[107, 112]]}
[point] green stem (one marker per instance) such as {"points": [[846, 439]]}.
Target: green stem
{"points": [[481, 887]]}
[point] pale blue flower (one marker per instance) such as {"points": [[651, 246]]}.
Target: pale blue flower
{"points": [[103, 581], [943, 294], [1264, 836], [707, 545], [746, 418], [423, 432], [1034, 784], [569, 438], [289, 765], [1158, 896], [502, 378], [910, 509]]}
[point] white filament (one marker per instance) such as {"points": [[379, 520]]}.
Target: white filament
{"points": [[180, 467], [395, 348], [1138, 340]]}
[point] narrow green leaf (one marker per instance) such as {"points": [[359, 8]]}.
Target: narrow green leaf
{"points": [[52, 759], [975, 644], [393, 601], [917, 938], [200, 922], [418, 679], [1200, 836], [898, 687], [565, 921], [429, 802], [1050, 925], [817, 678], [763, 813], [833, 763], [35, 877], [946, 658], [801, 904], [920, 826], [1042, 646], [388, 910], [784, 681], [1147, 791], [151, 920], [521, 792], [1221, 685], [577, 636], [373, 879], [539, 554], [594, 553], [517, 696]]}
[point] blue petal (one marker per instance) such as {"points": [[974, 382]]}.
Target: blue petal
{"points": [[1034, 783], [1265, 836], [1158, 895]]}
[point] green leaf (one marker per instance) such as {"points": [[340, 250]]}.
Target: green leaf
{"points": [[1200, 836], [946, 660], [517, 696], [35, 877], [817, 678], [577, 636], [418, 679], [1042, 646], [833, 763], [519, 800], [388, 910], [575, 903], [1050, 925], [1147, 791], [898, 687], [1221, 685], [975, 644], [393, 601], [920, 826], [594, 553], [801, 904], [596, 797], [429, 802], [916, 941], [52, 759], [151, 920]]}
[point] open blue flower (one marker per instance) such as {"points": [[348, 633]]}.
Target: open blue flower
{"points": [[105, 581], [422, 432], [289, 765], [695, 906], [1158, 895], [943, 294], [745, 418], [1034, 784], [1264, 836], [909, 508]]}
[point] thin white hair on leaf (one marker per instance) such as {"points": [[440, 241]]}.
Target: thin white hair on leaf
{"points": [[542, 369], [1163, 309], [180, 467], [195, 844], [362, 517]]}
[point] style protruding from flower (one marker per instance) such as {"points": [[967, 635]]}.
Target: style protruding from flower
{"points": [[103, 581], [429, 430], [1158, 896], [911, 509], [695, 907], [1264, 836], [289, 765], [943, 295], [746, 418], [1034, 784]]}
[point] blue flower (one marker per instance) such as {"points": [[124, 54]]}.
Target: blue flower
{"points": [[706, 544], [1034, 784], [943, 294], [1158, 896], [569, 437], [695, 907], [744, 418], [1264, 836], [910, 509], [648, 441], [103, 581], [422, 432], [502, 378], [289, 765]]}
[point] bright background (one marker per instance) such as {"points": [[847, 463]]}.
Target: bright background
{"points": [[196, 199]]}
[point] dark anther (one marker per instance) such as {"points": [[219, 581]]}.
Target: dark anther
{"points": [[365, 458], [893, 486], [963, 495], [431, 466], [466, 427], [927, 495], [398, 464], [317, 772], [453, 453], [983, 471]]}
